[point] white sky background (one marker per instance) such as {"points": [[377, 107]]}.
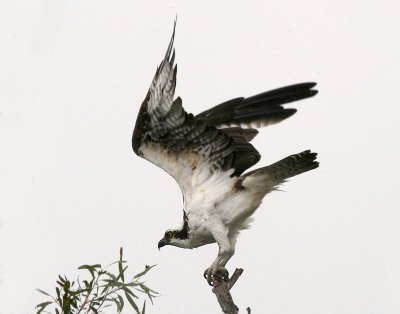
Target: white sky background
{"points": [[72, 77]]}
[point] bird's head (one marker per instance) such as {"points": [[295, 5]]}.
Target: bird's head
{"points": [[177, 237]]}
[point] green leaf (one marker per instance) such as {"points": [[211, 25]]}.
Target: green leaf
{"points": [[126, 289], [112, 276], [144, 272], [115, 263], [89, 266], [42, 306], [109, 282], [121, 300], [101, 272], [132, 284], [147, 289], [58, 296], [105, 288], [130, 300], [87, 284], [67, 285], [121, 271], [101, 290], [41, 291], [74, 305], [113, 283], [144, 287], [144, 307], [95, 303], [118, 304]]}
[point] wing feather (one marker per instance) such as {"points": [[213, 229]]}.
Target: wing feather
{"points": [[186, 147], [259, 110], [212, 146]]}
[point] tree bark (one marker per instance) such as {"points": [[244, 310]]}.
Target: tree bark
{"points": [[221, 290]]}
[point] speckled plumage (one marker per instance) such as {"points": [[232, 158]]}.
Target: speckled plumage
{"points": [[208, 153]]}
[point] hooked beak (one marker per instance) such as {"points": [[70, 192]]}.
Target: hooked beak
{"points": [[162, 243]]}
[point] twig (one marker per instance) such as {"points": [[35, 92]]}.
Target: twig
{"points": [[221, 289], [238, 272]]}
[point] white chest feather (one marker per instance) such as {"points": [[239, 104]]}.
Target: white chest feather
{"points": [[208, 195]]}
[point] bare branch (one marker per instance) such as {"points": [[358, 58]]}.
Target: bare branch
{"points": [[221, 290], [238, 272]]}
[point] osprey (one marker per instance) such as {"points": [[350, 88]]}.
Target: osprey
{"points": [[207, 155]]}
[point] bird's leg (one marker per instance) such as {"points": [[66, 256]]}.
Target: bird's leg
{"points": [[221, 272], [229, 254], [217, 268]]}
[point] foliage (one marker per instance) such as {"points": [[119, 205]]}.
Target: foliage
{"points": [[102, 289]]}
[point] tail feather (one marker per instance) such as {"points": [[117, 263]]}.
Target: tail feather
{"points": [[269, 177]]}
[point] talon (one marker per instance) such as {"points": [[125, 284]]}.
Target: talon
{"points": [[205, 274], [208, 275], [226, 274], [210, 278], [220, 273]]}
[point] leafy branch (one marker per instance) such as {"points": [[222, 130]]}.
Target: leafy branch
{"points": [[101, 290]]}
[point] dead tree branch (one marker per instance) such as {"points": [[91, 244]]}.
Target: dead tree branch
{"points": [[221, 289]]}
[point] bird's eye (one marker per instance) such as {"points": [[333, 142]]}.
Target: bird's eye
{"points": [[168, 234]]}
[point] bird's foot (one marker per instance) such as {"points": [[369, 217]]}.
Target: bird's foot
{"points": [[219, 273]]}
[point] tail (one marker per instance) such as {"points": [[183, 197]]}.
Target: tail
{"points": [[268, 178]]}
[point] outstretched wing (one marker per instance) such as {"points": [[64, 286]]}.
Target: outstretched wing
{"points": [[259, 110], [186, 147], [214, 145]]}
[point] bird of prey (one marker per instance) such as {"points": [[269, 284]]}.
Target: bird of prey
{"points": [[207, 155]]}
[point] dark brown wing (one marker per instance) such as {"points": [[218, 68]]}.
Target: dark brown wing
{"points": [[259, 110], [192, 149], [186, 147]]}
